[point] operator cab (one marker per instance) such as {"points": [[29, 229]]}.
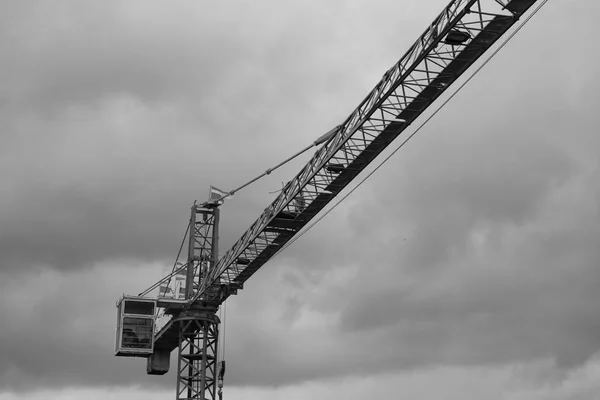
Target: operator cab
{"points": [[135, 326]]}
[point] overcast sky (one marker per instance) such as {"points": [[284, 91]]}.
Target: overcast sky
{"points": [[467, 267]]}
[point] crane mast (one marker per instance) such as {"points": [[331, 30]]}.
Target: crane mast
{"points": [[198, 325], [454, 41]]}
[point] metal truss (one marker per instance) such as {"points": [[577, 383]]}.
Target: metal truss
{"points": [[197, 360], [203, 246], [203, 242], [452, 43], [203, 250]]}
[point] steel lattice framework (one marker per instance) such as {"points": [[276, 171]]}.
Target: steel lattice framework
{"points": [[203, 246], [453, 42], [197, 361], [194, 331]]}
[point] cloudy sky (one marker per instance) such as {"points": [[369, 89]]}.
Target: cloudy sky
{"points": [[467, 267]]}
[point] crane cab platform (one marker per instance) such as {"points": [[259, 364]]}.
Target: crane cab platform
{"points": [[135, 326]]}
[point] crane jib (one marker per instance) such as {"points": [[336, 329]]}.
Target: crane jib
{"points": [[456, 39], [452, 43]]}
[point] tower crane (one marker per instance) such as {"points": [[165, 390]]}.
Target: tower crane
{"points": [[184, 316]]}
